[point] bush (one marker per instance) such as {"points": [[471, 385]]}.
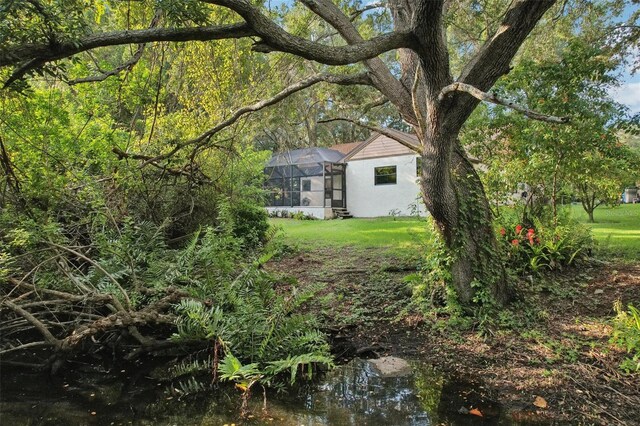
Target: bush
{"points": [[531, 248], [259, 336], [431, 284], [249, 223], [626, 333], [302, 216]]}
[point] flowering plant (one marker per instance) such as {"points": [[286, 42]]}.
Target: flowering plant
{"points": [[529, 248]]}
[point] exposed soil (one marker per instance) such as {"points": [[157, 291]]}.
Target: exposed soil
{"points": [[555, 346]]}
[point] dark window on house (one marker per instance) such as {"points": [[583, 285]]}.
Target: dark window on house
{"points": [[418, 166], [306, 184], [385, 175]]}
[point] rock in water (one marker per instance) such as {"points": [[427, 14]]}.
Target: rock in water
{"points": [[391, 366]]}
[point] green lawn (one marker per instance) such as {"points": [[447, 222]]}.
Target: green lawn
{"points": [[383, 232], [617, 229]]}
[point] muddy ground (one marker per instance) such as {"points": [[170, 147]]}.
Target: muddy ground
{"points": [[551, 348]]}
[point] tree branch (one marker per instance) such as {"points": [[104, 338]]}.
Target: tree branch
{"points": [[99, 267], [379, 101], [429, 29], [204, 138], [494, 57], [353, 15], [383, 131], [274, 38], [36, 323], [30, 56], [128, 65], [479, 94], [381, 76]]}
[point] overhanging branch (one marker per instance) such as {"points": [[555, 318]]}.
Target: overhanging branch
{"points": [[274, 38], [33, 55], [204, 138], [381, 76], [492, 98], [128, 65], [494, 57]]}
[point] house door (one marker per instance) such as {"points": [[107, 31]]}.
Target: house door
{"points": [[334, 185]]}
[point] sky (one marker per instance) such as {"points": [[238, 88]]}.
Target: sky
{"points": [[628, 93]]}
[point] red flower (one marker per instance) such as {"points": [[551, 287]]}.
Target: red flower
{"points": [[503, 232], [515, 242], [518, 229], [530, 234]]}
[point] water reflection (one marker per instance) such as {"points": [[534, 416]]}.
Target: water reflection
{"points": [[353, 394], [358, 394]]}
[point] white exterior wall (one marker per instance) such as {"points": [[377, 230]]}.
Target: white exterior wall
{"points": [[317, 212], [365, 199]]}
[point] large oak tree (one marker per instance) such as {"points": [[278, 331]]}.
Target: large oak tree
{"points": [[420, 85]]}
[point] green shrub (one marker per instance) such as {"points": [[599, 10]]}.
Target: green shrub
{"points": [[260, 336], [540, 246], [302, 216], [250, 223], [626, 333], [431, 284]]}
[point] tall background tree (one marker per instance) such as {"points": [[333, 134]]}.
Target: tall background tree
{"points": [[583, 160]]}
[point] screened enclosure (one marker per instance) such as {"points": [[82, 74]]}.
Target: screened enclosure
{"points": [[308, 177]]}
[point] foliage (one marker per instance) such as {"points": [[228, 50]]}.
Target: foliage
{"points": [[251, 320], [544, 246], [432, 283], [626, 333], [258, 333], [302, 216], [249, 223], [584, 158]]}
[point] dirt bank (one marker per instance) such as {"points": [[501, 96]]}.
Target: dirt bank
{"points": [[554, 346]]}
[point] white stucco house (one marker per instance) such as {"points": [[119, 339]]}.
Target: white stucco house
{"points": [[376, 177]]}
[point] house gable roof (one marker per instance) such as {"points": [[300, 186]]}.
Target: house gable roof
{"points": [[344, 152], [400, 138]]}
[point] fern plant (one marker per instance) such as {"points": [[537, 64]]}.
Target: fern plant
{"points": [[626, 333], [264, 337], [246, 376]]}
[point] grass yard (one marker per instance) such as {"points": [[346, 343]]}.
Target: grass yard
{"points": [[384, 232], [617, 229]]}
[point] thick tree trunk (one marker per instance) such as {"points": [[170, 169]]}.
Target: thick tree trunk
{"points": [[454, 195]]}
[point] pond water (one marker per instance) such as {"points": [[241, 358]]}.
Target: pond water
{"points": [[352, 394]]}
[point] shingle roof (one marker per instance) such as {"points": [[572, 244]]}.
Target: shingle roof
{"points": [[305, 156], [346, 148], [335, 153]]}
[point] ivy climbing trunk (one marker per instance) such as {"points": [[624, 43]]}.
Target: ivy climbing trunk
{"points": [[454, 195]]}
